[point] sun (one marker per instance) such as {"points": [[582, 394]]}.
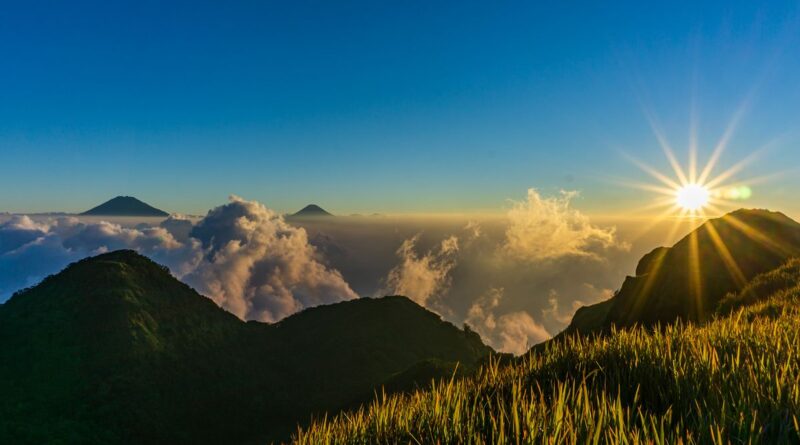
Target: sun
{"points": [[692, 197], [694, 193], [693, 190]]}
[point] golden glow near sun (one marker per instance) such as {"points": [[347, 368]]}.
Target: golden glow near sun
{"points": [[692, 193], [694, 190], [692, 197]]}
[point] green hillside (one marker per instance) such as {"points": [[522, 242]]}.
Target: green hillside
{"points": [[735, 379], [688, 280], [115, 350]]}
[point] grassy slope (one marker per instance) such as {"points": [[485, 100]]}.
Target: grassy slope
{"points": [[687, 280], [735, 379]]}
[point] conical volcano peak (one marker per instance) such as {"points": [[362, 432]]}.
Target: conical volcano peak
{"points": [[312, 210], [124, 206]]}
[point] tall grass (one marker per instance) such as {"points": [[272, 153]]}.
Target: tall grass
{"points": [[734, 380]]}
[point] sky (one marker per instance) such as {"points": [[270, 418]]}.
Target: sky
{"points": [[391, 107]]}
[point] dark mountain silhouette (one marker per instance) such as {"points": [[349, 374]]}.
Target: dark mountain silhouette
{"points": [[688, 280], [115, 350], [125, 206], [311, 211]]}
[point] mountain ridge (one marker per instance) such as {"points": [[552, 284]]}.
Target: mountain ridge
{"points": [[688, 280], [113, 349], [733, 379]]}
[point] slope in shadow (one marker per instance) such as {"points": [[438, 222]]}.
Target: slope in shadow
{"points": [[115, 350]]}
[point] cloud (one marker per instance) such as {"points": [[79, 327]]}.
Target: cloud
{"points": [[557, 314], [563, 316], [258, 266], [423, 277], [514, 332], [518, 332], [180, 226], [32, 250], [18, 231], [242, 255], [473, 229], [548, 228]]}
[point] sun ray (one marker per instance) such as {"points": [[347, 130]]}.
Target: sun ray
{"points": [[646, 187], [667, 203], [668, 239], [676, 166], [649, 280], [733, 170], [654, 221], [693, 142], [666, 148], [714, 209], [695, 275], [654, 173], [693, 161], [723, 142], [693, 193], [763, 178], [757, 236], [725, 255]]}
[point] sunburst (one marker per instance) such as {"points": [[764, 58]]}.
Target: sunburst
{"points": [[688, 191], [691, 193], [692, 197]]}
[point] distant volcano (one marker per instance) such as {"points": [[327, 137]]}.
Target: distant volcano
{"points": [[311, 211], [125, 206]]}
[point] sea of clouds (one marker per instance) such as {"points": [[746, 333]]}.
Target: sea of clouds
{"points": [[242, 255], [516, 280]]}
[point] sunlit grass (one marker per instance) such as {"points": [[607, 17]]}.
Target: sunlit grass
{"points": [[733, 380]]}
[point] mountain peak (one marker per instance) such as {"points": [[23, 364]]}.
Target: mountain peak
{"points": [[312, 210], [119, 285], [115, 346], [124, 206], [688, 280]]}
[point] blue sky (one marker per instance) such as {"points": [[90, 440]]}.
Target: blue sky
{"points": [[381, 106]]}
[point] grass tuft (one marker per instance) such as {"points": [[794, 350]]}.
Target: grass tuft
{"points": [[735, 379]]}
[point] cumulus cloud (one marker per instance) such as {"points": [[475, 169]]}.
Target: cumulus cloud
{"points": [[561, 315], [242, 255], [514, 332], [423, 277], [256, 265], [32, 250], [18, 231], [179, 226], [547, 228], [260, 267]]}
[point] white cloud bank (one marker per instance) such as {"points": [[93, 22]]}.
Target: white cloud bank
{"points": [[31, 250], [528, 270], [422, 278], [242, 255], [546, 242], [513, 332], [258, 266], [547, 228]]}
